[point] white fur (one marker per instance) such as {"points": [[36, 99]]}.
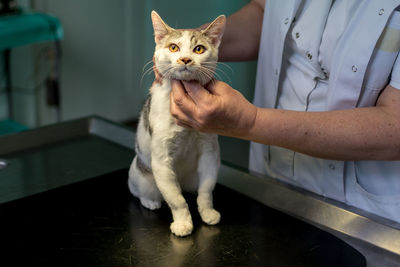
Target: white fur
{"points": [[179, 159], [168, 63]]}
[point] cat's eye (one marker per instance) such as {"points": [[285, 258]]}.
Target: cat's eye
{"points": [[173, 48], [199, 49]]}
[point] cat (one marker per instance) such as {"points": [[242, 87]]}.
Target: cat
{"points": [[170, 158]]}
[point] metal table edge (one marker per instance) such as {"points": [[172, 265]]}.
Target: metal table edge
{"points": [[360, 229], [49, 134], [369, 234]]}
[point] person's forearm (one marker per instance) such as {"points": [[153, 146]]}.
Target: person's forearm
{"points": [[357, 134], [371, 133], [241, 39]]}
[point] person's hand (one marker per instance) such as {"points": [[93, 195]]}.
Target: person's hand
{"points": [[214, 108]]}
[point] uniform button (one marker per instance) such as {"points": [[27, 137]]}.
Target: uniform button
{"points": [[309, 55], [286, 21], [381, 12], [331, 166], [354, 68], [324, 72], [297, 35]]}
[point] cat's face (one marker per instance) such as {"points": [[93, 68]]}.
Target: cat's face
{"points": [[187, 54]]}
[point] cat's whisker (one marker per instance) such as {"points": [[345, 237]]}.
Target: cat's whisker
{"points": [[203, 76], [225, 65], [224, 73], [218, 68], [218, 76], [209, 72], [168, 73], [208, 75], [143, 75], [147, 72], [145, 65], [217, 63], [215, 69], [151, 69]]}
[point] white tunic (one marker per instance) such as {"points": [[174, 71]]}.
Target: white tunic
{"points": [[335, 55]]}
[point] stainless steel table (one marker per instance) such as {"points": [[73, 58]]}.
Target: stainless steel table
{"points": [[64, 202]]}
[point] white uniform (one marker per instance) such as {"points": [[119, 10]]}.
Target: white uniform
{"points": [[329, 55]]}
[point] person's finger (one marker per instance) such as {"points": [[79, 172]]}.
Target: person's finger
{"points": [[180, 98], [181, 118], [182, 124], [178, 114], [215, 87], [196, 92], [177, 88], [210, 86]]}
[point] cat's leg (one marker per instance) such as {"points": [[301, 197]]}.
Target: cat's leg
{"points": [[142, 185], [168, 185], [208, 166]]}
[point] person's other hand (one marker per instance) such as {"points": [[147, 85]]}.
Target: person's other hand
{"points": [[214, 108]]}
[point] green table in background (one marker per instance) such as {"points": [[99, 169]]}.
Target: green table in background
{"points": [[10, 126], [22, 29]]}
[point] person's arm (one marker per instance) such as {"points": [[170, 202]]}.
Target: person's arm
{"points": [[241, 39], [371, 133]]}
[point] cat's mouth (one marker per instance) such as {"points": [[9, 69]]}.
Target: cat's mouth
{"points": [[185, 73], [185, 69]]}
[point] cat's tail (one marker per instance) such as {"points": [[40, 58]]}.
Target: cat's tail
{"points": [[132, 177], [142, 185]]}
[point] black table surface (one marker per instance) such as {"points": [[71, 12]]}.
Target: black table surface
{"points": [[97, 222]]}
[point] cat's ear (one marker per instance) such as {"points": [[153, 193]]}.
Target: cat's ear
{"points": [[160, 27], [215, 30]]}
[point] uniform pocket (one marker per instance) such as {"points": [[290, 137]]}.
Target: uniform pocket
{"points": [[376, 186], [389, 200]]}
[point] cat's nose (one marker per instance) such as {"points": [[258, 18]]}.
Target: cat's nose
{"points": [[184, 60]]}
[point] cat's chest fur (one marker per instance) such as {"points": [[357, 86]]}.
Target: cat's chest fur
{"points": [[183, 145], [160, 116]]}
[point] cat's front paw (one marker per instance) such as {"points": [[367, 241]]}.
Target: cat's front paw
{"points": [[181, 228], [210, 216]]}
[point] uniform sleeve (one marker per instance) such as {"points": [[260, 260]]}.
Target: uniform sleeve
{"points": [[395, 78]]}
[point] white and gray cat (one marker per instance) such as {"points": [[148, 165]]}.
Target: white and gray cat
{"points": [[170, 158]]}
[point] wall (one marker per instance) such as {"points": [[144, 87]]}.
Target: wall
{"points": [[96, 78], [107, 43]]}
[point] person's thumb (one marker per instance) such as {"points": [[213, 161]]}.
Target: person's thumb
{"points": [[195, 90]]}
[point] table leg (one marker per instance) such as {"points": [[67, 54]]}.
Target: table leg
{"points": [[58, 75], [7, 73]]}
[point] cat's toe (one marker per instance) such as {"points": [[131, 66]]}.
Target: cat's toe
{"points": [[150, 204], [210, 216], [181, 228]]}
